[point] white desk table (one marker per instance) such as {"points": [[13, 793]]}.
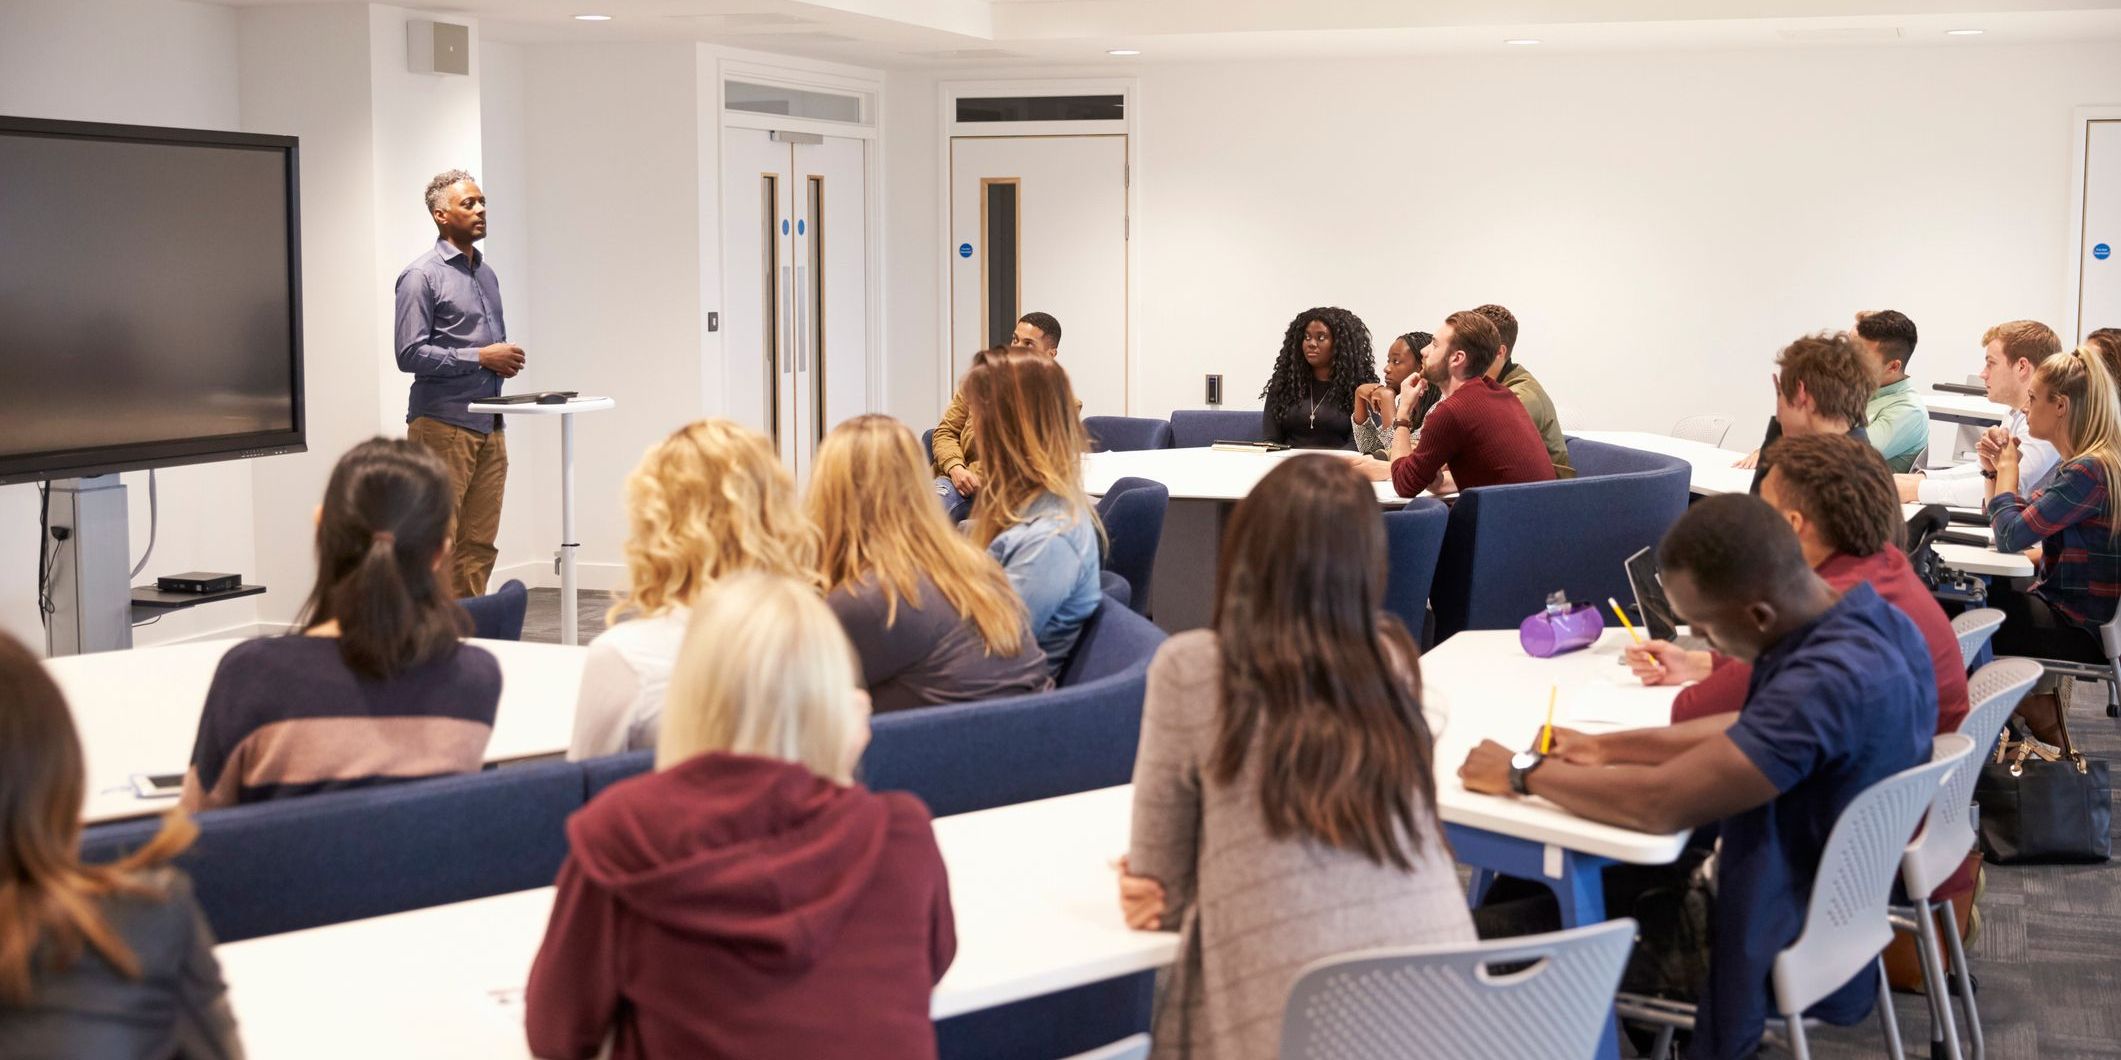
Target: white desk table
{"points": [[1035, 899], [137, 711], [1973, 410], [1714, 472], [566, 411], [1205, 484]]}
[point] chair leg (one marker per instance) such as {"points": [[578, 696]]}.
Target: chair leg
{"points": [[1956, 946], [1886, 1018], [1943, 1029], [1800, 1047], [1661, 1049]]}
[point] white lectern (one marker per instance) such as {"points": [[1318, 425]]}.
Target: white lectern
{"points": [[565, 411]]}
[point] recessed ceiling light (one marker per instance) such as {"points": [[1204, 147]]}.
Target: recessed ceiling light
{"points": [[1964, 32], [1124, 51], [1521, 40], [592, 18]]}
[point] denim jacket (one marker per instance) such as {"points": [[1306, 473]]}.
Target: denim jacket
{"points": [[1051, 558]]}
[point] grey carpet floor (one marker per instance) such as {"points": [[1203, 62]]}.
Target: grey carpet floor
{"points": [[2048, 956]]}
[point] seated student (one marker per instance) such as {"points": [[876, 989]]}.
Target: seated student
{"points": [[2010, 353], [957, 460], [1325, 356], [2108, 342], [932, 617], [1512, 375], [1842, 697], [2072, 406], [1822, 385], [1895, 420], [1285, 796], [1479, 429], [748, 898], [709, 500], [95, 960], [1032, 514], [378, 685], [1375, 403], [1838, 496]]}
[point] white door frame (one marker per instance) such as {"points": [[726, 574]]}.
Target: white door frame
{"points": [[869, 131], [947, 95], [2081, 120]]}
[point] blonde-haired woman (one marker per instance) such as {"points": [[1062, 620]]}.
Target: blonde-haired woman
{"points": [[1031, 513], [748, 898], [2072, 405], [709, 501], [932, 617]]}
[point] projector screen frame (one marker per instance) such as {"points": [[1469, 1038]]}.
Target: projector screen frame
{"points": [[139, 456]]}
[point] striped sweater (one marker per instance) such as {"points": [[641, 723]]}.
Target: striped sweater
{"points": [[286, 716]]}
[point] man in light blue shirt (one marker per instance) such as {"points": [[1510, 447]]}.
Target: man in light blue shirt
{"points": [[451, 336], [1896, 420], [2010, 353]]}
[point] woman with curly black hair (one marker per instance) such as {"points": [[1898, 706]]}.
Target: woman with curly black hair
{"points": [[1310, 398]]}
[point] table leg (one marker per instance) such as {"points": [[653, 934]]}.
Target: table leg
{"points": [[569, 634]]}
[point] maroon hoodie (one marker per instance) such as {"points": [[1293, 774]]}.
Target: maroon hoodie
{"points": [[742, 907]]}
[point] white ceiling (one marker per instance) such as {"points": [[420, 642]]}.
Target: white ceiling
{"points": [[944, 34]]}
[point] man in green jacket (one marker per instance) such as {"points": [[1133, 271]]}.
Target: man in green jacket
{"points": [[1510, 374], [956, 456], [1896, 420]]}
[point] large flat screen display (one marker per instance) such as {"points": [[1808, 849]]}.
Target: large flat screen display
{"points": [[150, 298]]}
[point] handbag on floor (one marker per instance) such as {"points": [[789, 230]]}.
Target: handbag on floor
{"points": [[2043, 808]]}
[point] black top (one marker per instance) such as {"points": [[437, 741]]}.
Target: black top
{"points": [[177, 1008], [1316, 418], [1774, 434]]}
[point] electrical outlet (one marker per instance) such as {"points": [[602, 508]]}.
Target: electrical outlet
{"points": [[1215, 389], [714, 321]]}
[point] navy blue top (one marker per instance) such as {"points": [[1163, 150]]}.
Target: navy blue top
{"points": [[448, 307], [1834, 707]]}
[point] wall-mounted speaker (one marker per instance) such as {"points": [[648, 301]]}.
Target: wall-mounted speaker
{"points": [[437, 47]]}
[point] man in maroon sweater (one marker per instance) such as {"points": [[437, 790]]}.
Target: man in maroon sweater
{"points": [[1479, 431]]}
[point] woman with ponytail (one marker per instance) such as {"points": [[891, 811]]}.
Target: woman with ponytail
{"points": [[95, 960], [2073, 406], [377, 686]]}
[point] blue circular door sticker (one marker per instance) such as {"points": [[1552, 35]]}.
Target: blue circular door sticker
{"points": [[799, 228], [964, 250], [2102, 251], [784, 226]]}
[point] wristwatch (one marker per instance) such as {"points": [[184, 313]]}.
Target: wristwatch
{"points": [[1521, 766], [1403, 424]]}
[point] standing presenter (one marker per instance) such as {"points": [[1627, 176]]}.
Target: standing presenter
{"points": [[451, 337]]}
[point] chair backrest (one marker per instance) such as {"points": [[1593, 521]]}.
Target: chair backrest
{"points": [[1974, 628], [322, 859], [1845, 924], [1413, 541], [1450, 1001], [928, 445], [1122, 434], [1948, 831], [1193, 428], [1706, 429], [1132, 1047], [1506, 547], [972, 756], [601, 773], [1133, 514], [499, 614]]}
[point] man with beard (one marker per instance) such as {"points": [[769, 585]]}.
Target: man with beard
{"points": [[1479, 434]]}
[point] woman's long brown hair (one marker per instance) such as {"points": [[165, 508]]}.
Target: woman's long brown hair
{"points": [[1315, 680], [1031, 439], [47, 896]]}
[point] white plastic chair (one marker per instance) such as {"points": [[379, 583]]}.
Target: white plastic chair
{"points": [[1131, 1047], [1444, 1002], [1705, 428], [1946, 836], [1846, 925], [1974, 628]]}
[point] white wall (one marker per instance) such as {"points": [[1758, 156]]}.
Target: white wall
{"points": [[913, 211], [504, 176], [1675, 216], [145, 62]]}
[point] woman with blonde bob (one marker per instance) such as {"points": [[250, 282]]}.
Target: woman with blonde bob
{"points": [[1031, 513], [707, 502], [747, 898], [95, 960], [933, 618], [2072, 405]]}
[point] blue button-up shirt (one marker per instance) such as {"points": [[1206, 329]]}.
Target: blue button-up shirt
{"points": [[448, 307]]}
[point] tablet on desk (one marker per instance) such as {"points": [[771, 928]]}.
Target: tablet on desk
{"points": [[1658, 618], [158, 785]]}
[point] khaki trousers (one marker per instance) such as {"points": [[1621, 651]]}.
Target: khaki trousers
{"points": [[478, 471]]}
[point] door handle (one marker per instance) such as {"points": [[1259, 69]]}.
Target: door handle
{"points": [[802, 320], [786, 324]]}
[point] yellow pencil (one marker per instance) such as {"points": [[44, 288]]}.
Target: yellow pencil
{"points": [[1623, 617], [1546, 735]]}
